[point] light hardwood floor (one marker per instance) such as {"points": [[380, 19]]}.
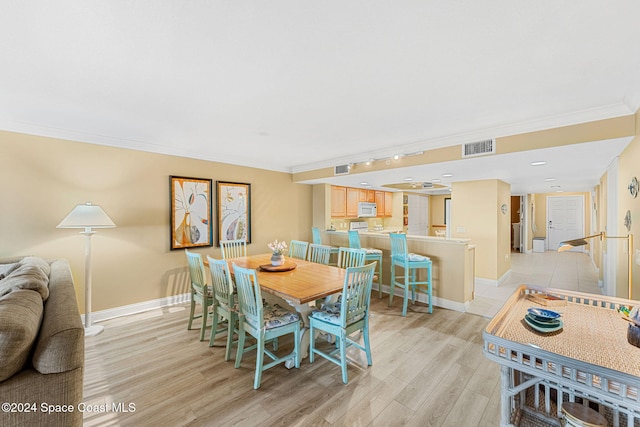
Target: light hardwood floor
{"points": [[428, 370]]}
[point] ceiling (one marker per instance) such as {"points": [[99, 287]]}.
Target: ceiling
{"points": [[294, 86]]}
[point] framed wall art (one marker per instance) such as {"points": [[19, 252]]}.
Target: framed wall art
{"points": [[234, 211], [191, 216]]}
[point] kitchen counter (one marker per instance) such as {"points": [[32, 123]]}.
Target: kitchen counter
{"points": [[453, 263]]}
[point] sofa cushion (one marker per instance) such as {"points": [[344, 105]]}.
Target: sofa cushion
{"points": [[60, 344], [20, 317], [30, 273]]}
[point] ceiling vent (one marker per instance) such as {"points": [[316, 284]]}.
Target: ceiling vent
{"points": [[427, 185], [341, 170], [480, 148]]}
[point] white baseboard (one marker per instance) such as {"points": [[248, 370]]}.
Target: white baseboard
{"points": [[98, 316], [102, 315], [492, 282], [422, 297]]}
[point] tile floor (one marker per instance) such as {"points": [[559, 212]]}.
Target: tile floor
{"points": [[562, 270]]}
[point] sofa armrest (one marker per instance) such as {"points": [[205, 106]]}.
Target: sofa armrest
{"points": [[60, 344]]}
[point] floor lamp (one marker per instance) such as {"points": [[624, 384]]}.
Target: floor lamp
{"points": [[87, 216], [567, 245]]}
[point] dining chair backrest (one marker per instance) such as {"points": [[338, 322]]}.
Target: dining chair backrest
{"points": [[354, 239], [315, 233], [249, 295], [221, 281], [233, 248], [349, 257], [298, 249], [319, 254], [399, 251], [196, 272], [356, 293]]}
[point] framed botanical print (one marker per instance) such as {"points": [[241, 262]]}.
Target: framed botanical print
{"points": [[234, 211], [191, 216]]}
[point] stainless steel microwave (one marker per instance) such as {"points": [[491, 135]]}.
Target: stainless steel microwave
{"points": [[367, 210]]}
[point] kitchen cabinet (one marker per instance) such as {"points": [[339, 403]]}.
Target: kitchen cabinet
{"points": [[388, 204], [367, 195], [344, 201], [380, 203], [338, 202], [353, 195]]}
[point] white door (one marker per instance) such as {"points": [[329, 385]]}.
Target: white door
{"points": [[565, 220]]}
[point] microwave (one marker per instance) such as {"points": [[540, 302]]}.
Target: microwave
{"points": [[367, 210]]}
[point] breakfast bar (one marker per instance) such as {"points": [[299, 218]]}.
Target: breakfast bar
{"points": [[453, 263]]}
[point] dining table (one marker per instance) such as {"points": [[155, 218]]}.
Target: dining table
{"points": [[298, 282]]}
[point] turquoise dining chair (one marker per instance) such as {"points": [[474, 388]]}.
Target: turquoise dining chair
{"points": [[298, 249], [264, 322], [233, 248], [351, 257], [317, 239], [347, 257], [224, 310], [345, 318], [201, 292], [319, 254], [373, 254], [411, 263]]}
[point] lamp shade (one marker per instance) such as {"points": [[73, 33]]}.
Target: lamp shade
{"points": [[87, 216]]}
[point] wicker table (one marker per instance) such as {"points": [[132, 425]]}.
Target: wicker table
{"points": [[588, 360]]}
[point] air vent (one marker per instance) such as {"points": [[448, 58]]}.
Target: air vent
{"points": [[427, 185], [341, 170], [480, 148]]}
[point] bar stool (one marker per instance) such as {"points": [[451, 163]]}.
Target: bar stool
{"points": [[372, 255], [400, 257], [578, 415]]}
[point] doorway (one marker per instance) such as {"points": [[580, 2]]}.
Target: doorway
{"points": [[565, 220]]}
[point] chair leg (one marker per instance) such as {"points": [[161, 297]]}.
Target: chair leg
{"points": [[392, 284], [343, 356], [380, 278], [259, 363], [312, 343], [205, 317], [430, 290], [214, 326], [192, 311], [406, 292], [365, 341], [231, 321], [296, 346], [413, 286], [241, 337]]}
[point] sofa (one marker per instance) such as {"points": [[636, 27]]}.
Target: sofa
{"points": [[41, 344]]}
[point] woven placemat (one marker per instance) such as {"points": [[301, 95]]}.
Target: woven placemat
{"points": [[591, 334]]}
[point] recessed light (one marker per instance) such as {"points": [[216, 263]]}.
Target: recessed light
{"points": [[540, 163], [549, 179], [436, 180], [364, 183], [408, 178], [396, 156], [447, 175]]}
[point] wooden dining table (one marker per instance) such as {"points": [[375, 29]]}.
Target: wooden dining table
{"points": [[303, 283]]}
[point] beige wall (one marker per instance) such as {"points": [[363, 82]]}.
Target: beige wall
{"points": [[43, 179], [628, 167], [476, 215]]}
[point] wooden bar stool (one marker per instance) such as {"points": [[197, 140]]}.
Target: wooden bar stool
{"points": [[578, 415]]}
